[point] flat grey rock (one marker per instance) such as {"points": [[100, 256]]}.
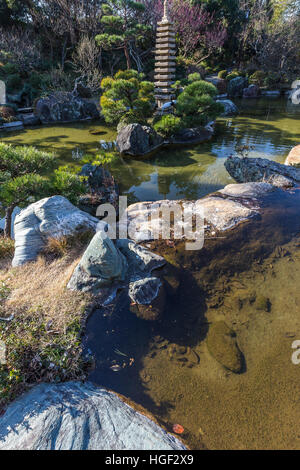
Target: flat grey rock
{"points": [[16, 211], [293, 157], [245, 170], [51, 217], [230, 109], [75, 416]]}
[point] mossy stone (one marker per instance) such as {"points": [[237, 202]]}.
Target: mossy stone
{"points": [[222, 345]]}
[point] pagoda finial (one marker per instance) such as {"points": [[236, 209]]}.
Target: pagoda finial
{"points": [[166, 11]]}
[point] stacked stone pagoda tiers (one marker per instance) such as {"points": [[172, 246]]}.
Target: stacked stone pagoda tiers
{"points": [[165, 59]]}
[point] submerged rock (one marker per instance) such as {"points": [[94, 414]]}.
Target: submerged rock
{"points": [[245, 170], [195, 135], [222, 345], [230, 109], [147, 298], [293, 157], [52, 217], [75, 416], [101, 265], [137, 140]]}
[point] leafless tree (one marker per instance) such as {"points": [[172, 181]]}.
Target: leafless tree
{"points": [[86, 62], [21, 47]]}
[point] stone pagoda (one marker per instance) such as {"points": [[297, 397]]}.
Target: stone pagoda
{"points": [[164, 59]]}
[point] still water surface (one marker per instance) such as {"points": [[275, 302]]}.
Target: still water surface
{"points": [[270, 126]]}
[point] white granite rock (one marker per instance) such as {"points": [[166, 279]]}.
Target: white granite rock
{"points": [[50, 217]]}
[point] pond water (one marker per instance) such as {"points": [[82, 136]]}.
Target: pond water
{"points": [[270, 126], [247, 282]]}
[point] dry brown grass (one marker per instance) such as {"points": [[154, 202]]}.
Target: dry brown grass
{"points": [[41, 287], [44, 338]]}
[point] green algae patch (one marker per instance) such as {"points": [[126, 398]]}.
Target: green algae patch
{"points": [[222, 345]]}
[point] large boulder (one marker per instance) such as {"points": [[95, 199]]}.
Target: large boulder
{"points": [[293, 157], [236, 86], [101, 265], [52, 217], [195, 135], [230, 109], [245, 170], [253, 91], [76, 416], [65, 107], [137, 140]]}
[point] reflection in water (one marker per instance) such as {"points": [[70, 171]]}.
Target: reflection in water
{"points": [[270, 126]]}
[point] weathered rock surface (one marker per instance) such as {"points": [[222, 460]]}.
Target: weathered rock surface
{"points": [[245, 170], [137, 140], [51, 217], [230, 109], [107, 267], [101, 265], [192, 135], [65, 107], [247, 190], [253, 91], [147, 298], [75, 416], [222, 345], [236, 86], [293, 157], [219, 83], [101, 189]]}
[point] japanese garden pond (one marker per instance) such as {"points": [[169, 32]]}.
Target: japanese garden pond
{"points": [[247, 282], [270, 126]]}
